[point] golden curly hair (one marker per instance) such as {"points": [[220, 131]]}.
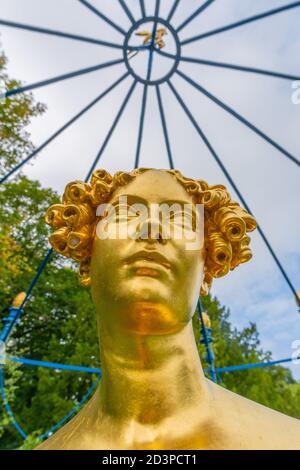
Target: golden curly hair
{"points": [[225, 223]]}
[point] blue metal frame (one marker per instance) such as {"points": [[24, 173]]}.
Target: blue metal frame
{"points": [[207, 341], [102, 16], [231, 181], [251, 19], [97, 371], [59, 78], [110, 132], [127, 11], [164, 127], [143, 8], [178, 59], [63, 128], [193, 16], [225, 65], [173, 9], [61, 34], [239, 117]]}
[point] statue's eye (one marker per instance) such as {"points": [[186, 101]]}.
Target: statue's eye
{"points": [[185, 219], [124, 212]]}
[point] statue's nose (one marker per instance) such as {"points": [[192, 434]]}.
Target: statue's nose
{"points": [[151, 230]]}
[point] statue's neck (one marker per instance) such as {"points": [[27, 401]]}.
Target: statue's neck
{"points": [[149, 378]]}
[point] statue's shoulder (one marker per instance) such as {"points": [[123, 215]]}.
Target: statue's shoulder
{"points": [[68, 437], [254, 425]]}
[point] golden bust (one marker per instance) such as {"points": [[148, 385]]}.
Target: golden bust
{"points": [[153, 393]]}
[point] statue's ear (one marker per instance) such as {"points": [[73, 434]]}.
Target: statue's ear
{"points": [[204, 289], [207, 279], [85, 281], [206, 283]]}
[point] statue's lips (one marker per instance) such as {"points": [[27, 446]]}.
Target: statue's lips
{"points": [[149, 257]]}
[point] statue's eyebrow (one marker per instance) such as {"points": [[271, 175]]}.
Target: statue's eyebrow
{"points": [[136, 199], [177, 201], [131, 199]]}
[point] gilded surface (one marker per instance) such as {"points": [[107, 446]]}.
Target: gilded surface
{"points": [[153, 394]]}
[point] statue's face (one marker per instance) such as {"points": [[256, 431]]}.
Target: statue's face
{"points": [[150, 284]]}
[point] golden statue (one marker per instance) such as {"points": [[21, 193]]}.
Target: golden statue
{"points": [[153, 393]]}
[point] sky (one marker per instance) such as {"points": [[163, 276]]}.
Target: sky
{"points": [[256, 291]]}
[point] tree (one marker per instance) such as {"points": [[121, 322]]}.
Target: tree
{"points": [[58, 323], [23, 243], [43, 396], [274, 386], [16, 112]]}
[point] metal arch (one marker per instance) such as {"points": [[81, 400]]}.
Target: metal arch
{"points": [[125, 47]]}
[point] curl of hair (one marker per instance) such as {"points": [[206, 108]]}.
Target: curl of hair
{"points": [[225, 226]]}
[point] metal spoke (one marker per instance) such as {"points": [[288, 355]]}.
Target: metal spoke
{"points": [[63, 128], [127, 11], [52, 365], [143, 9], [231, 181], [207, 343], [8, 408], [255, 365], [62, 34], [111, 130], [141, 127], [173, 9], [72, 412], [8, 326], [59, 78], [145, 91], [194, 15], [241, 23], [241, 68], [152, 44], [102, 16], [240, 118], [164, 126], [50, 252]]}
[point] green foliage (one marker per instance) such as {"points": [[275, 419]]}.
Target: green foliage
{"points": [[15, 114], [58, 323], [58, 311], [273, 386], [31, 442]]}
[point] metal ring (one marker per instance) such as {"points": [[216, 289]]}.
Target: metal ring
{"points": [[176, 57]]}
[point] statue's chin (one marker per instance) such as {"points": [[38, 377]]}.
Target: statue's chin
{"points": [[142, 305], [144, 317]]}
